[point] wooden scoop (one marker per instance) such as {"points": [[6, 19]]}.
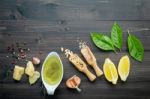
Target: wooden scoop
{"points": [[81, 66], [91, 60]]}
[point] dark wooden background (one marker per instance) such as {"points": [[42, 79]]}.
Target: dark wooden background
{"points": [[47, 25]]}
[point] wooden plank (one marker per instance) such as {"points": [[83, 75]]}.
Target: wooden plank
{"points": [[47, 25], [43, 33], [75, 10]]}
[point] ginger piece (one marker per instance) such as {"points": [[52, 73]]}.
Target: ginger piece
{"points": [[18, 72], [29, 69], [34, 78], [90, 58], [74, 83]]}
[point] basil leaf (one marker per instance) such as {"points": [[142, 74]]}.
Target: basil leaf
{"points": [[135, 47], [116, 35], [102, 41]]}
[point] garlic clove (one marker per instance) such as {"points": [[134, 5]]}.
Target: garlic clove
{"points": [[73, 82], [36, 60]]}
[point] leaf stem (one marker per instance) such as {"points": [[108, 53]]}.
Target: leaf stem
{"points": [[115, 51], [128, 32], [120, 50]]}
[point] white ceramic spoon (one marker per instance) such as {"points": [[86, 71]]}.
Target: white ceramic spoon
{"points": [[51, 88]]}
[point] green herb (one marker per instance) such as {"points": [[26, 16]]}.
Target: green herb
{"points": [[135, 47], [102, 41], [116, 35]]}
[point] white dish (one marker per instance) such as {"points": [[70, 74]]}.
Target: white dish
{"points": [[51, 88]]}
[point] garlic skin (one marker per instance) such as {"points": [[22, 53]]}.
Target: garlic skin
{"points": [[35, 60], [74, 83]]}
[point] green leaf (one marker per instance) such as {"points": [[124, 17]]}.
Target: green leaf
{"points": [[102, 41], [135, 47], [116, 35]]}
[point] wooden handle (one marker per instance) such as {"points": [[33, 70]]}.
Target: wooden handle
{"points": [[91, 76], [98, 71]]}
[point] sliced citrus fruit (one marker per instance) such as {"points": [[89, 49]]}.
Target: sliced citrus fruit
{"points": [[124, 67], [110, 71]]}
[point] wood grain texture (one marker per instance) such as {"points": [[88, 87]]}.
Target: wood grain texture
{"points": [[47, 25]]}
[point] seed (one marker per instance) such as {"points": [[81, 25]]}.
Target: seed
{"points": [[62, 49]]}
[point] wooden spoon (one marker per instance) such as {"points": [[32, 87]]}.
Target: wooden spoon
{"points": [[81, 66], [91, 60]]}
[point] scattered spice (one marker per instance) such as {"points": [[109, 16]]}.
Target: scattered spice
{"points": [[13, 62], [82, 44], [67, 52], [18, 51], [40, 52]]}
